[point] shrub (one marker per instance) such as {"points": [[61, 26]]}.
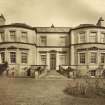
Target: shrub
{"points": [[3, 67], [85, 88]]}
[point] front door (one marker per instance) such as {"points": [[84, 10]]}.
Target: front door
{"points": [[53, 61]]}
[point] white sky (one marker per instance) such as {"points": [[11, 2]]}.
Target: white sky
{"points": [[57, 12]]}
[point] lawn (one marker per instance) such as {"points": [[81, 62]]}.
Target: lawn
{"points": [[28, 91]]}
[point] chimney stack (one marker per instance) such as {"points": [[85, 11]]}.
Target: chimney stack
{"points": [[2, 20], [100, 22]]}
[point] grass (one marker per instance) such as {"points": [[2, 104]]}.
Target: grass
{"points": [[86, 89], [28, 91]]}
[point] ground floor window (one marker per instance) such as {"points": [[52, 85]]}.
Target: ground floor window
{"points": [[93, 57], [102, 57], [62, 59], [2, 57], [43, 59], [12, 57], [24, 57], [92, 72], [82, 58]]}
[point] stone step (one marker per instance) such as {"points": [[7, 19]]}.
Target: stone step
{"points": [[53, 75]]}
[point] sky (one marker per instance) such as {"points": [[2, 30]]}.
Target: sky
{"points": [[61, 13]]}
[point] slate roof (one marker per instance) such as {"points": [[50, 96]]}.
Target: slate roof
{"points": [[87, 26], [52, 29], [20, 25]]}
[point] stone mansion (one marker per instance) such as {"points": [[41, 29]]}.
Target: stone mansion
{"points": [[82, 48]]}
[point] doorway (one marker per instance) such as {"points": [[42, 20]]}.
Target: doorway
{"points": [[52, 61]]}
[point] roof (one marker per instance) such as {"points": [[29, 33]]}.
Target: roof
{"points": [[85, 25], [52, 29], [21, 25], [39, 29], [88, 26]]}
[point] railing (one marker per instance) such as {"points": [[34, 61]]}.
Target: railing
{"points": [[39, 68], [75, 70], [68, 71]]}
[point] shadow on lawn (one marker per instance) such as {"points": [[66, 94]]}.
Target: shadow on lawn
{"points": [[86, 88]]}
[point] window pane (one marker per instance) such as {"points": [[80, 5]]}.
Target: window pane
{"points": [[24, 57], [82, 58], [13, 57], [3, 57], [63, 40], [93, 72], [92, 37], [12, 35], [62, 59], [93, 57], [43, 40], [24, 37], [82, 37], [43, 59], [2, 36], [102, 57], [102, 38]]}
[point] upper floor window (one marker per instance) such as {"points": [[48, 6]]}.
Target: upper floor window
{"points": [[43, 40], [24, 57], [12, 35], [62, 40], [93, 57], [24, 37], [102, 38], [82, 37], [93, 37], [13, 57], [82, 58], [2, 36], [102, 57], [43, 59]]}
